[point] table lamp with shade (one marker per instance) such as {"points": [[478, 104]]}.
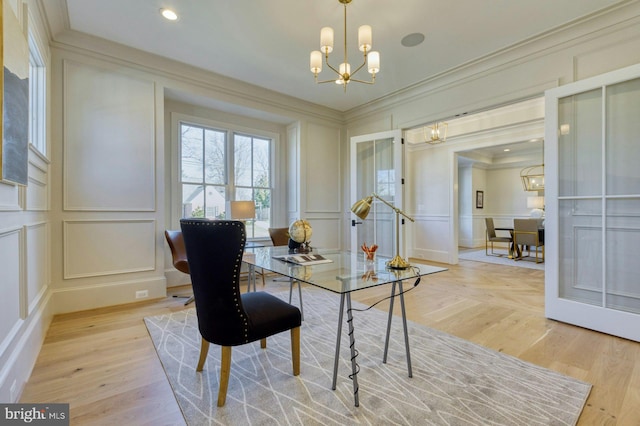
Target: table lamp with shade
{"points": [[536, 203], [242, 210], [361, 209]]}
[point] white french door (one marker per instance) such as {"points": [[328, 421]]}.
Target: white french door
{"points": [[376, 166], [592, 191]]}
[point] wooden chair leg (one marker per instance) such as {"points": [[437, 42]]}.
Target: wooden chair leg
{"points": [[204, 350], [263, 343], [295, 350], [225, 370]]}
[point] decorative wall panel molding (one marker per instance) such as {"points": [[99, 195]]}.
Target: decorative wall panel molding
{"points": [[322, 169], [12, 279], [38, 263], [9, 197], [109, 140], [94, 248]]}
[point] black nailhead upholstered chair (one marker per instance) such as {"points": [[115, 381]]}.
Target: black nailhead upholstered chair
{"points": [[226, 317]]}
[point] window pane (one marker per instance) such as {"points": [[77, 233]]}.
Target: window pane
{"points": [[263, 212], [192, 201], [215, 164], [580, 144], [623, 252], [580, 248], [242, 158], [261, 163], [215, 202], [191, 153], [622, 147]]}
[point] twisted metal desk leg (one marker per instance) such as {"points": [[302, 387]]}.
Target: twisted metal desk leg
{"points": [[352, 345]]}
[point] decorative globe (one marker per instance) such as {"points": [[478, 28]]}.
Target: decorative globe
{"points": [[300, 231]]}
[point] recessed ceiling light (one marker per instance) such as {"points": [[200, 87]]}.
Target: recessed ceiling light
{"points": [[507, 150], [169, 14], [412, 39]]}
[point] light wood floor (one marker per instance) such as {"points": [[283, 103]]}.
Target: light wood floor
{"points": [[103, 362]]}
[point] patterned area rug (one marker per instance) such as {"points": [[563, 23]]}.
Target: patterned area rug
{"points": [[480, 256], [455, 382]]}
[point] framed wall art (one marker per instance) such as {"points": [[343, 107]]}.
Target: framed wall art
{"points": [[479, 199], [14, 91]]}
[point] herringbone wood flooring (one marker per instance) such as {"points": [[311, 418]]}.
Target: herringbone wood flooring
{"points": [[103, 363]]}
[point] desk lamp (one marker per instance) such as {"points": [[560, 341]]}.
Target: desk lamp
{"points": [[361, 209]]}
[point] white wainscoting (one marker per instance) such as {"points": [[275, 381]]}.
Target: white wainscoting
{"points": [[106, 247], [12, 279], [9, 197], [38, 187], [38, 264], [428, 237]]}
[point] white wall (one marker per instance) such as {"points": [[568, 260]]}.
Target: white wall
{"points": [[25, 247]]}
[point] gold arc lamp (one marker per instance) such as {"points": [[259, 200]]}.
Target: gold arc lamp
{"points": [[344, 74], [436, 133], [361, 209]]}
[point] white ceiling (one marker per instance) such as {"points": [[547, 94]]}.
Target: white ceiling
{"points": [[267, 42]]}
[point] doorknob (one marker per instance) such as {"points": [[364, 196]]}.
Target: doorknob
{"points": [[354, 222]]}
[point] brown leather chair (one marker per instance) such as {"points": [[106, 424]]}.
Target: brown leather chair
{"points": [[178, 253], [225, 316], [279, 236]]}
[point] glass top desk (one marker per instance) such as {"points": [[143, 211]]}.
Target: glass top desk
{"points": [[345, 274]]}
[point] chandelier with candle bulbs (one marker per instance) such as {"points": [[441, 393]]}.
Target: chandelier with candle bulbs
{"points": [[344, 74]]}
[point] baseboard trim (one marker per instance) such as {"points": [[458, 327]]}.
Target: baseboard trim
{"points": [[81, 298]]}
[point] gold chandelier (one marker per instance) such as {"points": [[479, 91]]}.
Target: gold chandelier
{"points": [[437, 133], [371, 59]]}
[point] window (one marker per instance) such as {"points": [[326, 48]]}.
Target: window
{"points": [[37, 99], [215, 169]]}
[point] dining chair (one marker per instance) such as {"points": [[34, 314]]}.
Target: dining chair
{"points": [[527, 235], [225, 316], [491, 238], [280, 237], [178, 254]]}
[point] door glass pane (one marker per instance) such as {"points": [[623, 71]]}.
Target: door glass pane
{"points": [[365, 185], [623, 252], [385, 188], [375, 173], [580, 248], [580, 144], [622, 147]]}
